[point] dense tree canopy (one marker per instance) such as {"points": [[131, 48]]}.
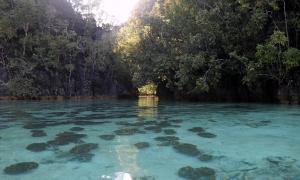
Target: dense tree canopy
{"points": [[53, 37], [189, 46], [195, 45]]}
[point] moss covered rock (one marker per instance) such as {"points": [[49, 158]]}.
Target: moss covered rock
{"points": [[20, 167]]}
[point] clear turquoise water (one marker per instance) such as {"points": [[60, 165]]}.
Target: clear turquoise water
{"points": [[253, 141]]}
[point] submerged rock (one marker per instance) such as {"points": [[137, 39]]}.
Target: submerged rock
{"points": [[107, 137], [196, 129], [83, 123], [126, 131], [144, 178], [36, 147], [169, 143], [206, 135], [167, 138], [34, 126], [58, 142], [38, 133], [130, 124], [169, 131], [186, 148], [177, 121], [141, 145], [156, 129], [76, 129], [164, 124], [189, 172], [150, 122], [66, 138], [20, 167], [205, 157], [204, 171], [83, 148], [85, 157]]}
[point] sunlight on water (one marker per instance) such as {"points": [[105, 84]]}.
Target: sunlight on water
{"points": [[148, 138]]}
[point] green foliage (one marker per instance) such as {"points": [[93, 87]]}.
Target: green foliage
{"points": [[48, 36], [148, 89], [192, 45], [276, 58], [291, 58]]}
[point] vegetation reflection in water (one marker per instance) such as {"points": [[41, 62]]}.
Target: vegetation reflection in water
{"points": [[150, 139]]}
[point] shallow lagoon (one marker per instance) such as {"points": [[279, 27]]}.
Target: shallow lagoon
{"points": [[253, 141]]}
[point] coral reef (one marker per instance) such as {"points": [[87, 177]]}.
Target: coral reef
{"points": [[144, 178], [83, 148], [196, 129], [34, 126], [141, 145], [38, 133], [130, 124], [76, 129], [36, 147], [150, 122], [156, 129], [186, 148], [191, 173], [164, 124], [66, 138], [206, 135], [169, 131], [83, 123], [166, 138], [85, 157], [187, 172], [20, 167], [205, 157], [176, 121], [127, 131], [107, 137], [168, 143]]}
